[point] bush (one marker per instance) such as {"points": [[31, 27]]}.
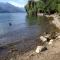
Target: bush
{"points": [[43, 6]]}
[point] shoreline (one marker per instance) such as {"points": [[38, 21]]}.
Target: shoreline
{"points": [[53, 52], [55, 20], [29, 53]]}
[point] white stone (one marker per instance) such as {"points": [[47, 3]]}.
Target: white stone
{"points": [[39, 49], [50, 42], [43, 38], [58, 37], [46, 36]]}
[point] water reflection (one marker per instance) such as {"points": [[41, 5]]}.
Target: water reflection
{"points": [[18, 26], [42, 22], [31, 20]]}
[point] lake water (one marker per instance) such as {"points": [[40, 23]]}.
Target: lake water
{"points": [[18, 26]]}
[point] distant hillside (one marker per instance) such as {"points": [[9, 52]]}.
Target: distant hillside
{"points": [[7, 7]]}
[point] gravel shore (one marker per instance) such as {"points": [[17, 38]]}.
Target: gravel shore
{"points": [[53, 53]]}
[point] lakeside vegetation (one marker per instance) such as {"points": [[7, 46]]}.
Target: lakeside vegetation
{"points": [[42, 6]]}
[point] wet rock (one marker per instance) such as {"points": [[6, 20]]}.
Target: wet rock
{"points": [[40, 49]]}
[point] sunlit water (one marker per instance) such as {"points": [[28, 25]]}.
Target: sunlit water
{"points": [[17, 26]]}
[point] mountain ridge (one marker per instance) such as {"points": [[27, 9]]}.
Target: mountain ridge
{"points": [[9, 8]]}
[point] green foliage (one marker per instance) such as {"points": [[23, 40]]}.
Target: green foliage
{"points": [[30, 8], [40, 6], [51, 6], [43, 6], [58, 7]]}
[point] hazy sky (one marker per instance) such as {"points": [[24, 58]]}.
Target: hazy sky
{"points": [[19, 3]]}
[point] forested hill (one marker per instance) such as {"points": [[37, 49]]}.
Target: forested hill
{"points": [[7, 7]]}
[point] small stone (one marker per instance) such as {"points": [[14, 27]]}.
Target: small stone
{"points": [[50, 42], [47, 36], [43, 38]]}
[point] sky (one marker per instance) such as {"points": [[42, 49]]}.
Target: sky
{"points": [[18, 3]]}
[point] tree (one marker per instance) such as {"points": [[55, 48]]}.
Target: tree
{"points": [[44, 6], [40, 6]]}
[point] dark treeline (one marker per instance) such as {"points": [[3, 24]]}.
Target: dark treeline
{"points": [[43, 6]]}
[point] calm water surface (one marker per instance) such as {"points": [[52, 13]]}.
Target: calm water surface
{"points": [[22, 27]]}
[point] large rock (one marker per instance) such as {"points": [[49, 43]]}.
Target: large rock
{"points": [[43, 38], [40, 48], [50, 42]]}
